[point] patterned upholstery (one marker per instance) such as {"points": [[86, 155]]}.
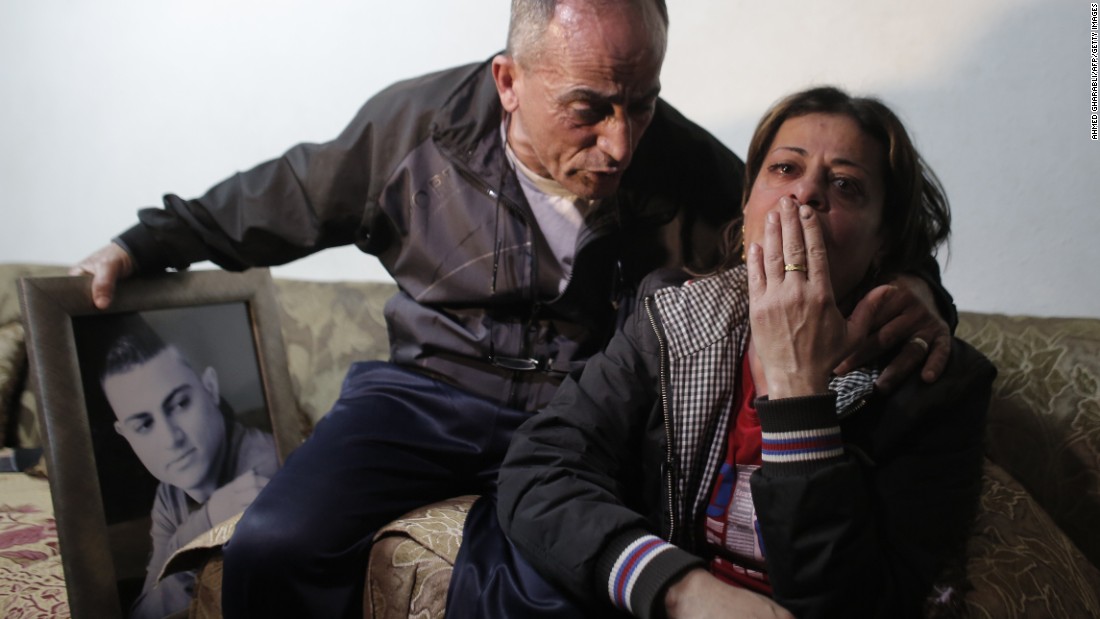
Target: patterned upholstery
{"points": [[1019, 564], [409, 571], [32, 583], [13, 365], [410, 563], [18, 409], [327, 327], [1032, 553], [1044, 422]]}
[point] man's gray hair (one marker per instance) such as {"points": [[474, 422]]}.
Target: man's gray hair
{"points": [[530, 18]]}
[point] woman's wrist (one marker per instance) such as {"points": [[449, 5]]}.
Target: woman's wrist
{"points": [[799, 434], [796, 386]]}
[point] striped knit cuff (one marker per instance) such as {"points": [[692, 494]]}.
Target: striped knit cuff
{"points": [[639, 567], [799, 434]]}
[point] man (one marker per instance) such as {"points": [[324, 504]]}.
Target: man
{"points": [[516, 203], [209, 467]]}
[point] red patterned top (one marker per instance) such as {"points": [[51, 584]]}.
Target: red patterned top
{"points": [[731, 530]]}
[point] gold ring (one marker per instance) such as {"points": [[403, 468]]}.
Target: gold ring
{"points": [[795, 267], [920, 342]]}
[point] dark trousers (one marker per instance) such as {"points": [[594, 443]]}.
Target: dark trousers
{"points": [[395, 440]]}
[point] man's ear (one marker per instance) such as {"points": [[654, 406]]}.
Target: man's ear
{"points": [[210, 382], [118, 428], [505, 71]]}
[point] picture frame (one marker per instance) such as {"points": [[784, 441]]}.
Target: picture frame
{"points": [[102, 491]]}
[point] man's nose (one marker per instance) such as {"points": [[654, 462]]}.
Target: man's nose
{"points": [[173, 434], [616, 138]]}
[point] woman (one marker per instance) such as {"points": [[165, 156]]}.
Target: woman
{"points": [[709, 461]]}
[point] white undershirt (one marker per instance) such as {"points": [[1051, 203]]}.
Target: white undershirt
{"points": [[560, 214]]}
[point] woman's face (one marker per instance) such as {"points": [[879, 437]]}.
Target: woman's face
{"points": [[827, 162]]}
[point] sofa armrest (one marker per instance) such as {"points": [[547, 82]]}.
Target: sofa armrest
{"points": [[1019, 564], [1044, 418], [412, 559]]}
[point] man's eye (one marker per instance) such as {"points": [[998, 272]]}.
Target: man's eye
{"points": [[643, 108], [586, 114], [142, 425], [181, 400]]}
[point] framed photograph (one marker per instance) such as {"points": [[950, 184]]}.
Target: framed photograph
{"points": [[161, 416]]}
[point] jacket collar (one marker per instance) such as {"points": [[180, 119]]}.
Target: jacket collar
{"points": [[467, 129]]}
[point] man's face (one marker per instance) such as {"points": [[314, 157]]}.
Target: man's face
{"points": [[171, 419], [581, 103]]}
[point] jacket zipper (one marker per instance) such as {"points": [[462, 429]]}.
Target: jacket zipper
{"points": [[525, 362], [852, 409], [662, 381]]}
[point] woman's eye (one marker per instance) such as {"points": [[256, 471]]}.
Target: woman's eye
{"points": [[846, 185], [781, 168]]}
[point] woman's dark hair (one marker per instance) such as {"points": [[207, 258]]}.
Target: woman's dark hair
{"points": [[916, 217]]}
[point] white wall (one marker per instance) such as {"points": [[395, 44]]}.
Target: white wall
{"points": [[107, 104]]}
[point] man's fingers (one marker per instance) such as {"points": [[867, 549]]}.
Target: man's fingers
{"points": [[862, 319], [917, 353], [908, 359], [106, 266], [937, 359], [892, 320], [103, 287], [883, 303]]}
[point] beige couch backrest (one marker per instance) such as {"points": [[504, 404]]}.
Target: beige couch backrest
{"points": [[327, 326], [1044, 421]]}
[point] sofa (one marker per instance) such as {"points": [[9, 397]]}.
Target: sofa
{"points": [[1033, 552]]}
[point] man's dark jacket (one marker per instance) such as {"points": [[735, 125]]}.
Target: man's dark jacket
{"points": [[420, 179]]}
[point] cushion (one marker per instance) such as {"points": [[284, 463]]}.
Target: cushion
{"points": [[408, 575], [32, 580], [13, 363], [22, 416], [204, 555], [1044, 418], [1019, 563], [411, 562]]}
